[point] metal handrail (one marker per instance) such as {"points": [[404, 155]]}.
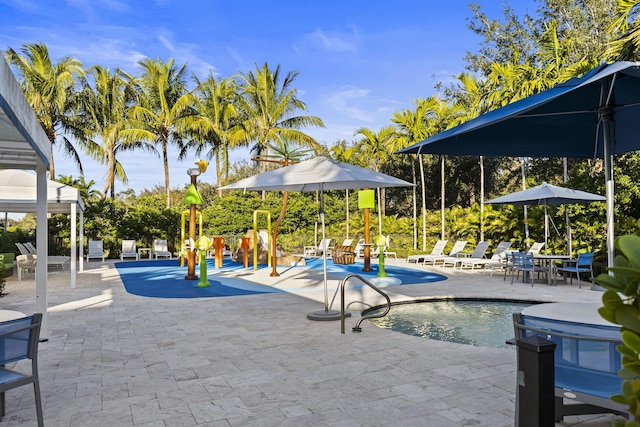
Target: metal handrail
{"points": [[357, 328]]}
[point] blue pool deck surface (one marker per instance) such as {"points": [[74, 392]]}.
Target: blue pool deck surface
{"points": [[116, 358]]}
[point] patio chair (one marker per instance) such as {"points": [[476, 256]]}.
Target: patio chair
{"points": [[523, 262], [478, 253], [26, 264], [496, 260], [437, 250], [129, 250], [95, 250], [19, 340], [584, 264], [455, 251], [161, 249]]}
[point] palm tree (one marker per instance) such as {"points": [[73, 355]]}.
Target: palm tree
{"points": [[84, 187], [217, 103], [269, 106], [166, 111], [103, 110], [49, 88], [411, 128], [626, 29]]}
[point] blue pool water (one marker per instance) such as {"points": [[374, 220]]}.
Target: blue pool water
{"points": [[486, 323]]}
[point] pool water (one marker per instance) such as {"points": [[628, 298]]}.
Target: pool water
{"points": [[486, 323]]}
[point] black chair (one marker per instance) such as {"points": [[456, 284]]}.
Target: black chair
{"points": [[19, 340]]}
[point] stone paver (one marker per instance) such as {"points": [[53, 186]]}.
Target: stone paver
{"points": [[115, 359]]}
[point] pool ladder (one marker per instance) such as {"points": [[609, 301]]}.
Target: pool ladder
{"points": [[357, 328]]}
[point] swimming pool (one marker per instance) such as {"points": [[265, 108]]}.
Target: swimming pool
{"points": [[474, 321]]}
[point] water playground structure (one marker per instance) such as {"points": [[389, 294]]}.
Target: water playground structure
{"points": [[257, 245]]}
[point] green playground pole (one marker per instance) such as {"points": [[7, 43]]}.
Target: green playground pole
{"points": [[203, 283], [381, 272]]}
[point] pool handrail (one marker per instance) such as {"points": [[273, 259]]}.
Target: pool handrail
{"points": [[357, 328]]}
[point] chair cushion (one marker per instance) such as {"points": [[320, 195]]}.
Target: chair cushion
{"points": [[7, 375]]}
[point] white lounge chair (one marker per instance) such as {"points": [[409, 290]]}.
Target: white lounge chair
{"points": [[498, 259], [478, 252], [129, 250], [324, 246], [95, 250], [438, 250], [375, 252], [455, 251], [535, 248], [22, 248], [161, 249]]}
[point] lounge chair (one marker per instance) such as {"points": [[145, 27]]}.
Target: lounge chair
{"points": [[129, 250], [498, 258], [22, 248], [478, 252], [30, 247], [359, 249], [584, 264], [57, 261], [161, 249], [324, 246], [455, 251], [375, 252], [95, 250], [535, 248], [437, 250]]}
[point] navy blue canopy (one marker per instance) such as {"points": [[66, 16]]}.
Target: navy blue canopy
{"points": [[564, 121], [596, 115]]}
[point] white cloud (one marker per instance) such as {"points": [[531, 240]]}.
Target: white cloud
{"points": [[334, 41], [164, 40], [346, 100]]}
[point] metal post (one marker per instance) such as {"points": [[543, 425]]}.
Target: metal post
{"points": [[535, 400]]}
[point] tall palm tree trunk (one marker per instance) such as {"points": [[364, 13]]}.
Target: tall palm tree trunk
{"points": [[424, 205], [165, 161]]}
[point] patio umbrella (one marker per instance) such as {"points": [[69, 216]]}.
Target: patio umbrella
{"points": [[318, 174], [547, 195], [595, 115]]}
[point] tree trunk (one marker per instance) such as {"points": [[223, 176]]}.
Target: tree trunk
{"points": [[442, 197], [165, 161], [415, 208], [218, 173], [424, 205]]}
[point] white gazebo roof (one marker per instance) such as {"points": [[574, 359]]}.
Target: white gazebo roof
{"points": [[22, 140], [18, 193]]}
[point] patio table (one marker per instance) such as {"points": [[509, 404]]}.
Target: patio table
{"points": [[547, 259], [6, 315]]}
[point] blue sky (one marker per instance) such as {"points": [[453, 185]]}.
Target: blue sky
{"points": [[359, 60]]}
